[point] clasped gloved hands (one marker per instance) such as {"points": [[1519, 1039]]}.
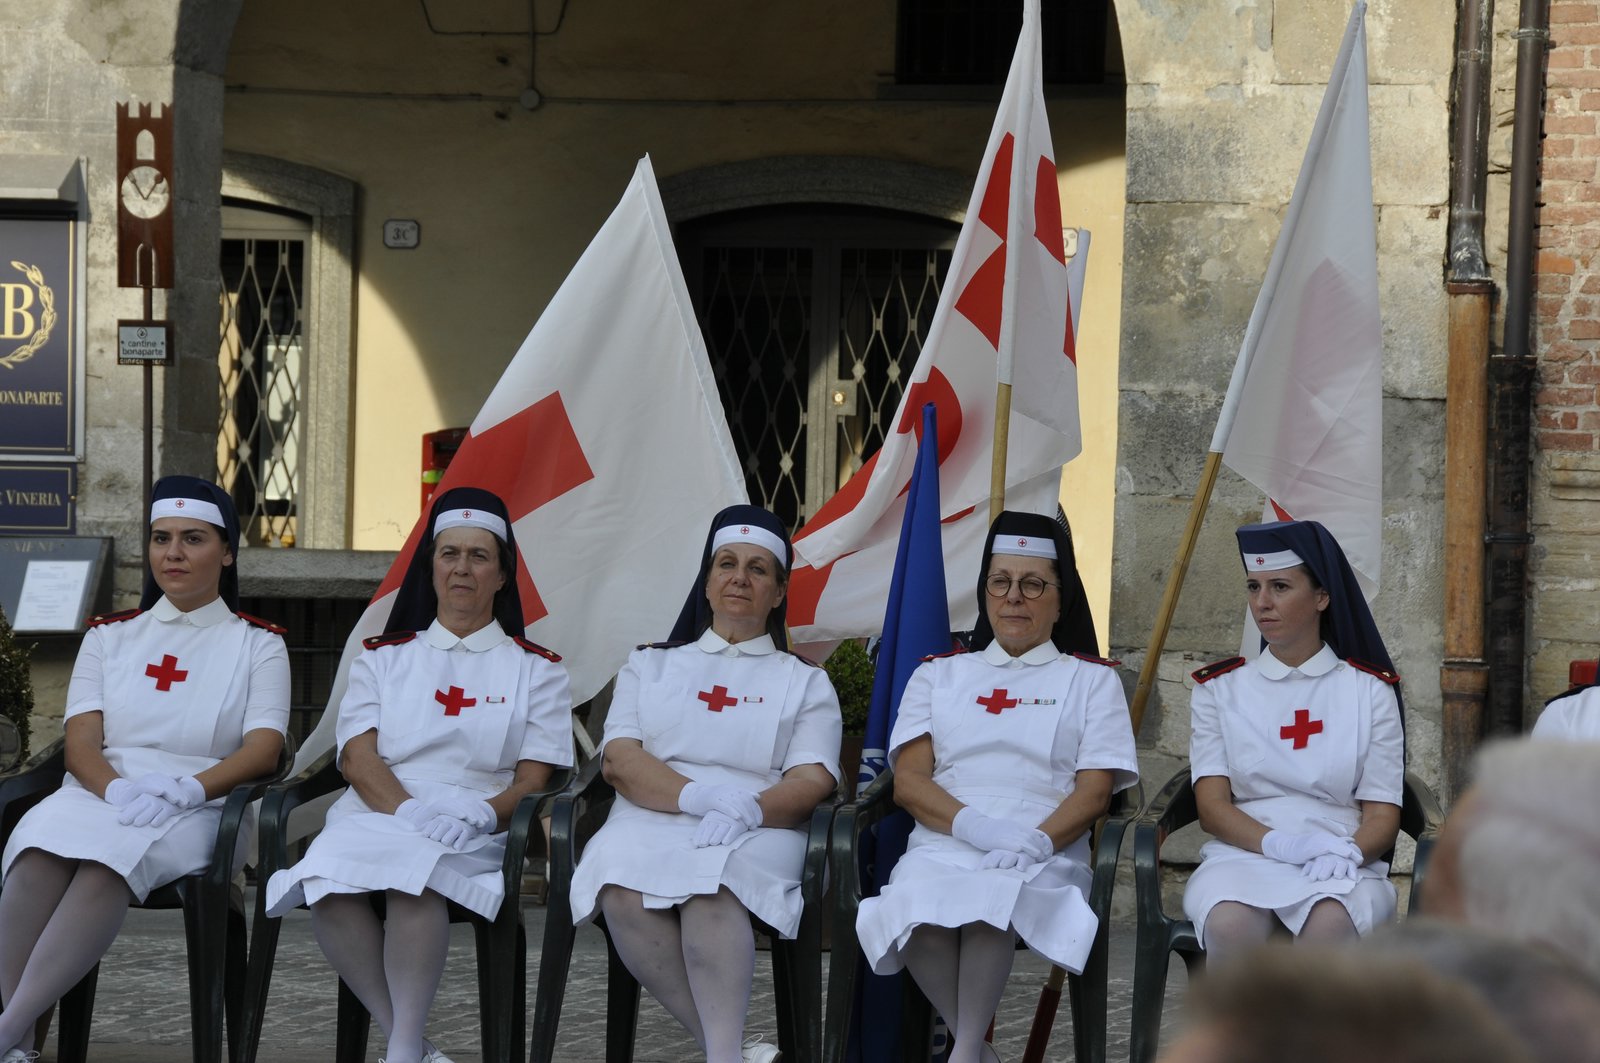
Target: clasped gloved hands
{"points": [[1301, 849], [1006, 843], [726, 812], [450, 821], [152, 799]]}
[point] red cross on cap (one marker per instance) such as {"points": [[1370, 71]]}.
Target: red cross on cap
{"points": [[745, 530], [1261, 560], [178, 503], [466, 513], [1022, 542]]}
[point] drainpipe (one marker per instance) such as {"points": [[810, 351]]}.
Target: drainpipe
{"points": [[1511, 375], [1464, 675]]}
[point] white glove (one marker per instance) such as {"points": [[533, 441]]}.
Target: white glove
{"points": [[1330, 865], [120, 791], [153, 782], [146, 810], [735, 802], [988, 833], [718, 828], [475, 811], [1290, 848], [456, 821], [1005, 860], [191, 793], [413, 812]]}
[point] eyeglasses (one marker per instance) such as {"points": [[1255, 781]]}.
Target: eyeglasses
{"points": [[999, 585]]}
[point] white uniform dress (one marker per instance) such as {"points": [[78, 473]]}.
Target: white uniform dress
{"points": [[1574, 716], [1009, 735], [177, 691], [1300, 748], [454, 716], [743, 714]]}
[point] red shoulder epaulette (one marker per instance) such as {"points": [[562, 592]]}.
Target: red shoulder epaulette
{"points": [[113, 618], [1216, 668], [659, 645], [390, 638], [1108, 662], [276, 629], [534, 647], [1371, 669], [947, 653]]}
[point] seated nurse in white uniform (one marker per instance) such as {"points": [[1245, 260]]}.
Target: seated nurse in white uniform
{"points": [[451, 717], [1005, 757], [1298, 756], [720, 744], [1574, 715], [170, 707]]}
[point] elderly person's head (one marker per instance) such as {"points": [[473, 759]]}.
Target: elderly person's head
{"points": [[464, 570], [1520, 853], [1545, 1000], [743, 582], [1336, 1005], [1029, 592]]}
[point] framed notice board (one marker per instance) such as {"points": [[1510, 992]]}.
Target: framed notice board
{"points": [[52, 585]]}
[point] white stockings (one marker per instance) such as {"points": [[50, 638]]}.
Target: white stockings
{"points": [[57, 919], [963, 973], [393, 968], [697, 959], [1234, 928]]}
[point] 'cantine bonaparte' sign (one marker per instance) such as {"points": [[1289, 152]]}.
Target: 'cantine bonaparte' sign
{"points": [[38, 347]]}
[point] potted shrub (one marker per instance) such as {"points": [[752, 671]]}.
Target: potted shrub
{"points": [[16, 684], [850, 669]]}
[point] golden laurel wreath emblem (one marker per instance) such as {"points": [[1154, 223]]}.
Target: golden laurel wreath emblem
{"points": [[47, 319]]}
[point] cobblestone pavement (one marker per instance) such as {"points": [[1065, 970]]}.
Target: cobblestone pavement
{"points": [[142, 1004]]}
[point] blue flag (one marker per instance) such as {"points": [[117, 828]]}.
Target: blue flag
{"points": [[916, 624]]}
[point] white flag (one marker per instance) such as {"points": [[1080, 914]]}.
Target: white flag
{"points": [[607, 441], [1303, 418], [1006, 313]]}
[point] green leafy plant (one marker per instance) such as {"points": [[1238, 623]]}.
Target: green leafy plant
{"points": [[16, 683], [850, 669]]}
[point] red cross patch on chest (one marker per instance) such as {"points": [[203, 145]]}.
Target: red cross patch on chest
{"points": [[1302, 730], [717, 698], [454, 700], [166, 673], [997, 701]]}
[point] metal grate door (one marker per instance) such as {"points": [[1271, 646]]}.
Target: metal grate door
{"points": [[813, 320], [261, 361]]}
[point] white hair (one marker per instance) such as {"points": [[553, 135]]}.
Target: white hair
{"points": [[1530, 846]]}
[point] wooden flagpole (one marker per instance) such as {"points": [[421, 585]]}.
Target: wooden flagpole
{"points": [[1002, 437], [1169, 599]]}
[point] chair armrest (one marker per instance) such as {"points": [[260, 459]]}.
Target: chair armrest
{"points": [[31, 781], [1108, 846], [1421, 817], [850, 820], [567, 813], [320, 777], [1172, 808], [523, 828], [238, 802], [814, 872]]}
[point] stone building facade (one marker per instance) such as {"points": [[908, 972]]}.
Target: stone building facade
{"points": [[506, 129]]}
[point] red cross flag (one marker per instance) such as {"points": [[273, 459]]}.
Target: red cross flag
{"points": [[607, 441], [1008, 312]]}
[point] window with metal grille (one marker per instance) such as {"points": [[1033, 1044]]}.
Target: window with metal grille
{"points": [[970, 42], [261, 362], [813, 320]]}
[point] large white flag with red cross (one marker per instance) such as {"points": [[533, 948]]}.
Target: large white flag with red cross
{"points": [[1303, 417], [1007, 313], [607, 441]]}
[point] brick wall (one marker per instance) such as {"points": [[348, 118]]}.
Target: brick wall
{"points": [[1567, 334]]}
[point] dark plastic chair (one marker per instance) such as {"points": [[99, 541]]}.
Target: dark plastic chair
{"points": [[1159, 934], [796, 965], [1086, 992], [213, 915], [501, 942]]}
